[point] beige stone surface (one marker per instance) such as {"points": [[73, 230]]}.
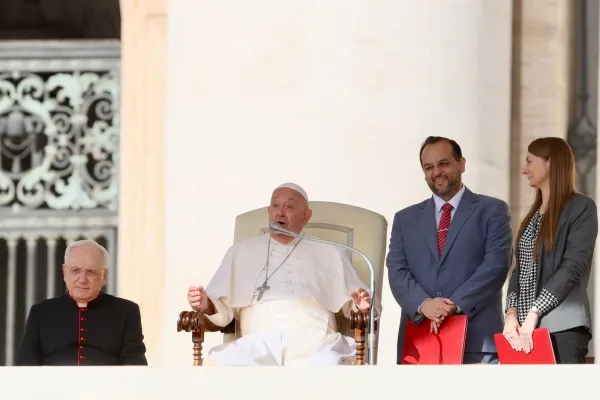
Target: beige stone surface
{"points": [[141, 276], [543, 84], [247, 80], [337, 96]]}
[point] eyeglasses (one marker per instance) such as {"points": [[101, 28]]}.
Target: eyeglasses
{"points": [[90, 273]]}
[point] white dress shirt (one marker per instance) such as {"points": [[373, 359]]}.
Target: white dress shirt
{"points": [[454, 201]]}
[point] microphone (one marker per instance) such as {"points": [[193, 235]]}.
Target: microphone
{"points": [[371, 337]]}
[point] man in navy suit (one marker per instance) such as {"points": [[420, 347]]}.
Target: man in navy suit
{"points": [[451, 253]]}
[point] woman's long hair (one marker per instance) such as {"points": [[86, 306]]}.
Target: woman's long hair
{"points": [[562, 187]]}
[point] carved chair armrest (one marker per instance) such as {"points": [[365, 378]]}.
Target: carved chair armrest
{"points": [[359, 321], [197, 323]]}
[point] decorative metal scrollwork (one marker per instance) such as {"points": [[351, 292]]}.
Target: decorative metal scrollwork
{"points": [[59, 139], [583, 140], [582, 136]]}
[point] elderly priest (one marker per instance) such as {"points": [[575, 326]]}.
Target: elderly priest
{"points": [[285, 292], [84, 326]]}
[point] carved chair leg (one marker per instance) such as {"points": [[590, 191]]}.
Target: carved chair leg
{"points": [[359, 322], [191, 321], [359, 337], [198, 339]]}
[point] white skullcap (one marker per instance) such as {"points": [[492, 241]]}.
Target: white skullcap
{"points": [[295, 187]]}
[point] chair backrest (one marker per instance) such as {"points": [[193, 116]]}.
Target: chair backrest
{"points": [[353, 226]]}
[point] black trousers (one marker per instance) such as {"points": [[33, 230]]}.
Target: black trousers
{"points": [[571, 346]]}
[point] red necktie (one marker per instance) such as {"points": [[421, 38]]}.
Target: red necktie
{"points": [[444, 226]]}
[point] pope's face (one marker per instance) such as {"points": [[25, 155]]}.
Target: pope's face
{"points": [[84, 273], [289, 209]]}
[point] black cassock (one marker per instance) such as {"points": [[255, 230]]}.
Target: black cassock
{"points": [[106, 332]]}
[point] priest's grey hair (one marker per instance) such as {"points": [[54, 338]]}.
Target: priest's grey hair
{"points": [[88, 243]]}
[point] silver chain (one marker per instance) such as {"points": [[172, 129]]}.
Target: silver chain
{"points": [[267, 277]]}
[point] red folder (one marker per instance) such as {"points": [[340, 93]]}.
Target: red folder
{"points": [[447, 347], [542, 353]]}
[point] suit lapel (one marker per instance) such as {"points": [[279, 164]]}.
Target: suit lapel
{"points": [[467, 205], [428, 226]]}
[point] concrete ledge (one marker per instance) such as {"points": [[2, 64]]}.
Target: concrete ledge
{"points": [[405, 382]]}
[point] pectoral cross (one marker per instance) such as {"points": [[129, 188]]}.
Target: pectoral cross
{"points": [[261, 290]]}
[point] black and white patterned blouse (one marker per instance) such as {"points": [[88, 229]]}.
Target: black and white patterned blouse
{"points": [[528, 275]]}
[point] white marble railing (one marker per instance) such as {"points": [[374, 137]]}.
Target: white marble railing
{"points": [[265, 383]]}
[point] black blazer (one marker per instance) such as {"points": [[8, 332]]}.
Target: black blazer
{"points": [[107, 332], [565, 270]]}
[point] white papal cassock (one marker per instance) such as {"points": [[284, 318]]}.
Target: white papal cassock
{"points": [[293, 322]]}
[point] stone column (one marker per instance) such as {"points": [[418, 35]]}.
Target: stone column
{"points": [[337, 96], [595, 276], [141, 189], [544, 86], [545, 65]]}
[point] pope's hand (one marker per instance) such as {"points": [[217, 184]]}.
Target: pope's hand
{"points": [[198, 299], [361, 298]]}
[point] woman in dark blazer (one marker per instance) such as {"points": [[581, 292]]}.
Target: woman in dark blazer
{"points": [[553, 258]]}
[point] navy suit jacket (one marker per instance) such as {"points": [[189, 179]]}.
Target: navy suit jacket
{"points": [[471, 270]]}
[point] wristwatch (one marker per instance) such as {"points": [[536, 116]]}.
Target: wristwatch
{"points": [[536, 310]]}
